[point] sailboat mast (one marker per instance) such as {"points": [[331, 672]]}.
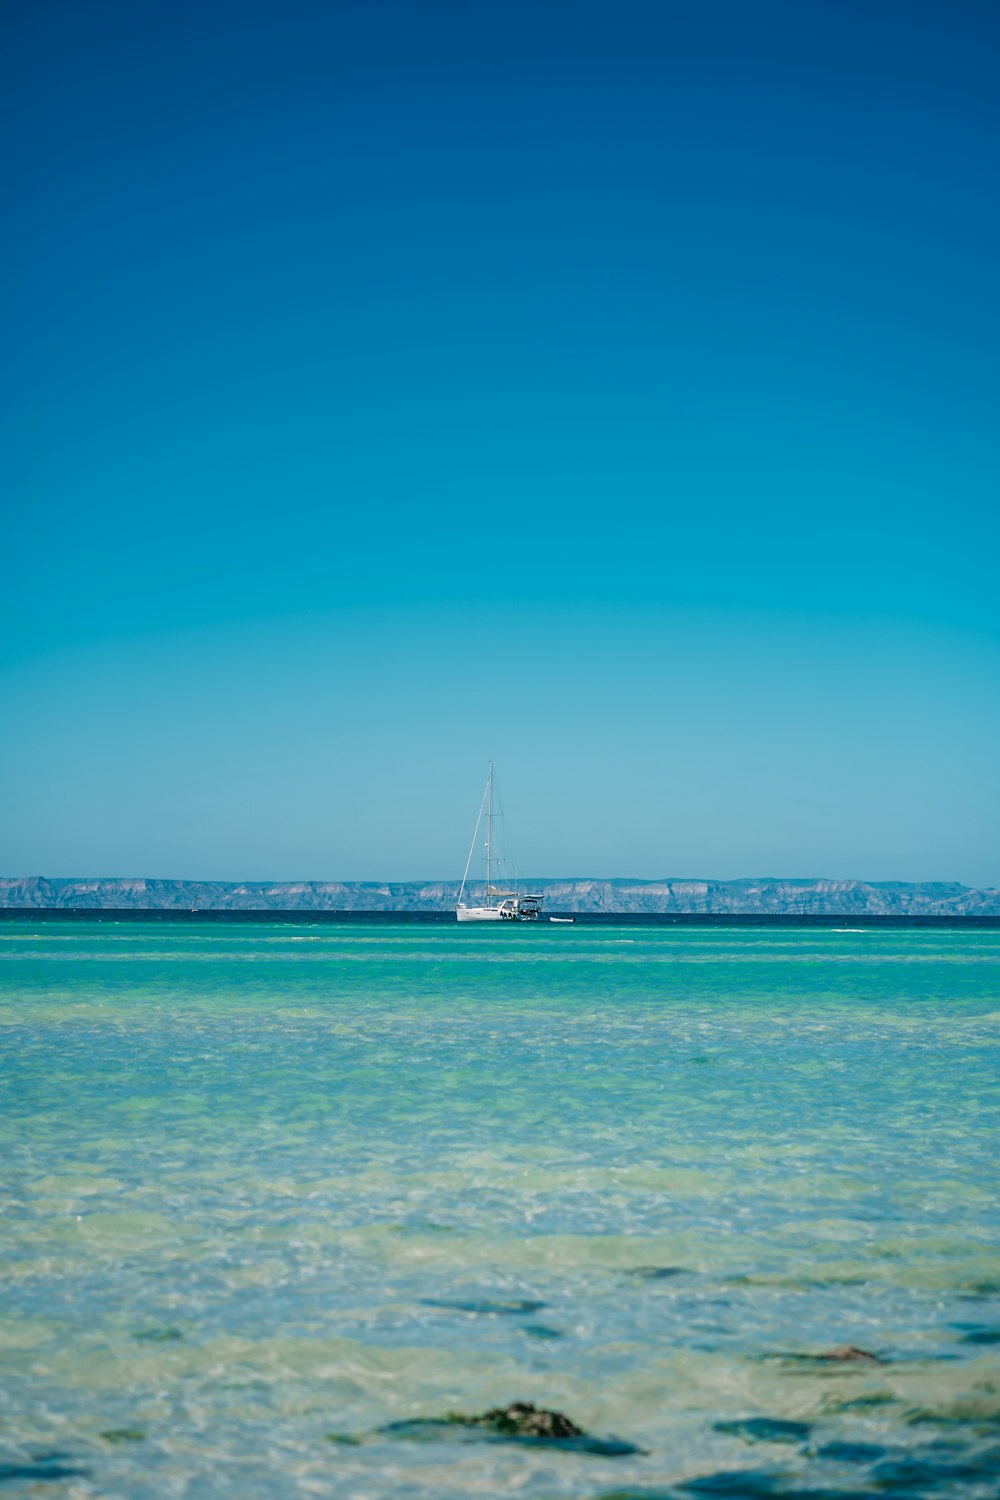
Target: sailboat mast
{"points": [[489, 839]]}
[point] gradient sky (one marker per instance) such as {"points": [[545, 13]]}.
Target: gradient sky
{"points": [[609, 389]]}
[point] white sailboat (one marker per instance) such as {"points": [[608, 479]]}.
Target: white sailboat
{"points": [[498, 904]]}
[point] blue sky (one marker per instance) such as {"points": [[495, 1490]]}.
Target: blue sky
{"points": [[608, 389]]}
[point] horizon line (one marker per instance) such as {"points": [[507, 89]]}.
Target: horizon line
{"points": [[537, 879]]}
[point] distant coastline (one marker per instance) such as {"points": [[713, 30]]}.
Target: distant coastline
{"points": [[670, 897]]}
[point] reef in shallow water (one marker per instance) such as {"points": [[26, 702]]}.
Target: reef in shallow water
{"points": [[519, 1422]]}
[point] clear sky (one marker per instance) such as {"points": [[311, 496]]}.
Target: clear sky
{"points": [[612, 389]]}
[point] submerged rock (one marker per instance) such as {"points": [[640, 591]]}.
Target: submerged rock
{"points": [[520, 1422], [524, 1419]]}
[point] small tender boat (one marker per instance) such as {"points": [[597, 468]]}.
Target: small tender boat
{"points": [[498, 904], [566, 920]]}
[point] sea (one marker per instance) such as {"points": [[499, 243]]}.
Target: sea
{"points": [[288, 1205]]}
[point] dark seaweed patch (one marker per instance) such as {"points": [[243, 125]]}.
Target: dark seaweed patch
{"points": [[914, 1473], [748, 1484], [851, 1453], [860, 1403], [124, 1435], [846, 1354], [968, 1417], [541, 1331], [766, 1430], [740, 1484], [510, 1307], [158, 1335], [638, 1494], [656, 1273], [48, 1467], [982, 1336]]}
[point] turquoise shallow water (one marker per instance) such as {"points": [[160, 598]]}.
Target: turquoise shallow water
{"points": [[268, 1189]]}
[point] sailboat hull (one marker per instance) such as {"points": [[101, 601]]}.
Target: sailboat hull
{"points": [[484, 914]]}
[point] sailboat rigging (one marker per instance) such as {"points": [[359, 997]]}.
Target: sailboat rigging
{"points": [[499, 904]]}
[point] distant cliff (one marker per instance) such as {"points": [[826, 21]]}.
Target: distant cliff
{"points": [[736, 897]]}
